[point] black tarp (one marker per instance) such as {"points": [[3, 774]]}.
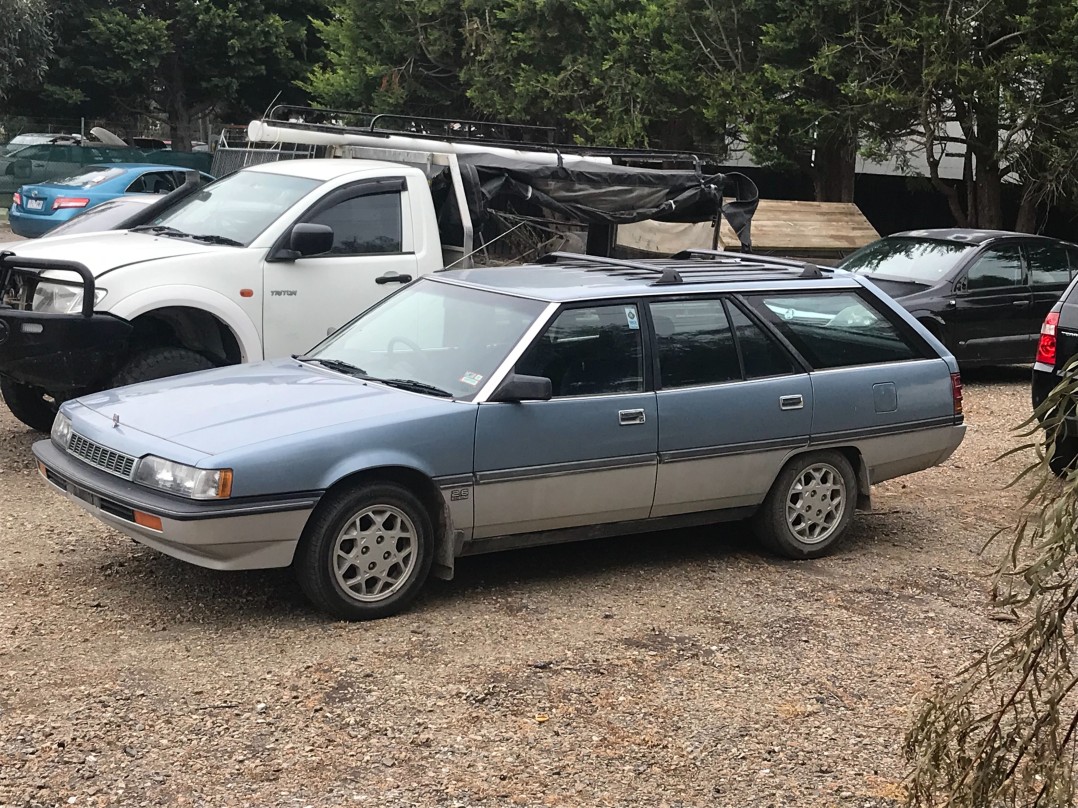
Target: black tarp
{"points": [[591, 192]]}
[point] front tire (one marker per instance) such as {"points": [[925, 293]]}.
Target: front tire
{"points": [[29, 404], [809, 506], [159, 363], [366, 552]]}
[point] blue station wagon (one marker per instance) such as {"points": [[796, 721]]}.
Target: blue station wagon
{"points": [[489, 409]]}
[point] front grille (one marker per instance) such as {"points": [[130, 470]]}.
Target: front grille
{"points": [[105, 459]]}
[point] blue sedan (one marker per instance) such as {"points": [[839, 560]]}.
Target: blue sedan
{"points": [[38, 208]]}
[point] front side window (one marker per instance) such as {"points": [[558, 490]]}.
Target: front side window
{"points": [[449, 337], [998, 268], [155, 182], [835, 329], [695, 343], [1048, 264], [364, 224], [589, 351]]}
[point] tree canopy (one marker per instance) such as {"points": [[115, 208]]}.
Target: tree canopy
{"points": [[25, 42]]}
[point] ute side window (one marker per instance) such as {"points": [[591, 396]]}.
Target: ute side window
{"points": [[364, 225], [835, 329], [594, 350]]}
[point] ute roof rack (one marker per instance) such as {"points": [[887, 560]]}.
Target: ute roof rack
{"points": [[679, 268], [489, 133]]}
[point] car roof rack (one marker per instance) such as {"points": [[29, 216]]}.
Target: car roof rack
{"points": [[721, 266]]}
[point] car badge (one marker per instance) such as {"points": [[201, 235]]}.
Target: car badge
{"points": [[115, 420]]}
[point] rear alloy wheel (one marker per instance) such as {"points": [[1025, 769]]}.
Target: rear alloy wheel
{"points": [[31, 405], [366, 552], [809, 506]]}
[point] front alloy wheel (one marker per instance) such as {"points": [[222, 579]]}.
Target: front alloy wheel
{"points": [[366, 551]]}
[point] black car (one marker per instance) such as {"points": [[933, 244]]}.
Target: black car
{"points": [[982, 293], [1057, 347]]}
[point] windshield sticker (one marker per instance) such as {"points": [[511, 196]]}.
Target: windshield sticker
{"points": [[630, 317], [471, 379]]}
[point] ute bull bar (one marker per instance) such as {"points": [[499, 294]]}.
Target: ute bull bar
{"points": [[60, 353]]}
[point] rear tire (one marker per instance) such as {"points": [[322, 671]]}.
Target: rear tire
{"points": [[365, 552], [29, 404], [160, 363], [809, 506]]}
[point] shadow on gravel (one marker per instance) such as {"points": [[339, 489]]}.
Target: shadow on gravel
{"points": [[167, 593]]}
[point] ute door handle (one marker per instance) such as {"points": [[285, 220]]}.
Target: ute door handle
{"points": [[628, 417], [791, 402], [392, 277]]}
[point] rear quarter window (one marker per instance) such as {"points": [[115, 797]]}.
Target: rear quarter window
{"points": [[837, 329]]}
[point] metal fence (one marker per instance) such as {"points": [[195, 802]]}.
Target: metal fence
{"points": [[228, 160]]}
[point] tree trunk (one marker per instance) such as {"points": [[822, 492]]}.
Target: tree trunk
{"points": [[180, 124], [835, 164], [1027, 210], [988, 187]]}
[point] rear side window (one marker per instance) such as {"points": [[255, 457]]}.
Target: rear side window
{"points": [[998, 268], [1048, 264], [837, 329], [759, 352], [695, 343]]}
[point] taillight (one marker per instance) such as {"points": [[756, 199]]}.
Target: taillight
{"points": [[16, 198], [956, 392], [1046, 348], [70, 202]]}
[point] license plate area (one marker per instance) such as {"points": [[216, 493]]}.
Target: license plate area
{"points": [[35, 204]]}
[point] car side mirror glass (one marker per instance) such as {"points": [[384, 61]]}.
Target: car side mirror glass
{"points": [[310, 239], [517, 387]]}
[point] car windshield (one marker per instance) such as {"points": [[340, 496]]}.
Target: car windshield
{"points": [[442, 336], [89, 177], [907, 259], [239, 207], [106, 216]]}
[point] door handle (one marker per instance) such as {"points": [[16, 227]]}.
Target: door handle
{"points": [[628, 417], [392, 278], [791, 402], [1020, 303]]}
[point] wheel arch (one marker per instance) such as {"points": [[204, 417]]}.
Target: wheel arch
{"points": [[420, 484]]}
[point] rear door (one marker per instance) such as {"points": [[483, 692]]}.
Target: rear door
{"points": [[991, 318], [732, 405], [372, 255]]}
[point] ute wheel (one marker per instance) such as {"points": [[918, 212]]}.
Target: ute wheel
{"points": [[158, 363], [365, 552], [809, 506], [1062, 455], [29, 404]]}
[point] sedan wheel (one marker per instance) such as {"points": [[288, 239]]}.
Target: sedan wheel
{"points": [[809, 505], [366, 551]]}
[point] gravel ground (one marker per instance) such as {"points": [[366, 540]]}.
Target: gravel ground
{"points": [[676, 669]]}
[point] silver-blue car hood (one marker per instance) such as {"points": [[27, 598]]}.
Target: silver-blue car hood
{"points": [[218, 411]]}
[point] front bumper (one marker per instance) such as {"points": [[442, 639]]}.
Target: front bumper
{"points": [[252, 533], [62, 354]]}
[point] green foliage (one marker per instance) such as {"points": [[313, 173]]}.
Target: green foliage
{"points": [[1002, 731], [25, 42]]}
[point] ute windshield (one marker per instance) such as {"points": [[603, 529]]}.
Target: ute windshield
{"points": [[234, 209], [431, 337], [907, 259]]}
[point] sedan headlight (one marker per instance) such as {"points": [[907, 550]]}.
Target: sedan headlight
{"points": [[62, 298], [61, 430], [186, 481]]}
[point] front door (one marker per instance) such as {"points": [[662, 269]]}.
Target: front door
{"points": [[588, 455], [993, 308], [307, 298]]}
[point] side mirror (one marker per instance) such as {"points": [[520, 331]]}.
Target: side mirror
{"points": [[517, 388], [310, 239]]}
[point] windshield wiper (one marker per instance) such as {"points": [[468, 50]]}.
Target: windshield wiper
{"points": [[213, 238], [338, 365], [415, 386], [160, 230]]}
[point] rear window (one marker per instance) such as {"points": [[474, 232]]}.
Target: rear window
{"points": [[89, 177], [836, 329]]}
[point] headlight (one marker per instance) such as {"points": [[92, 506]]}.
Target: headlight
{"points": [[61, 430], [186, 481], [62, 298]]}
